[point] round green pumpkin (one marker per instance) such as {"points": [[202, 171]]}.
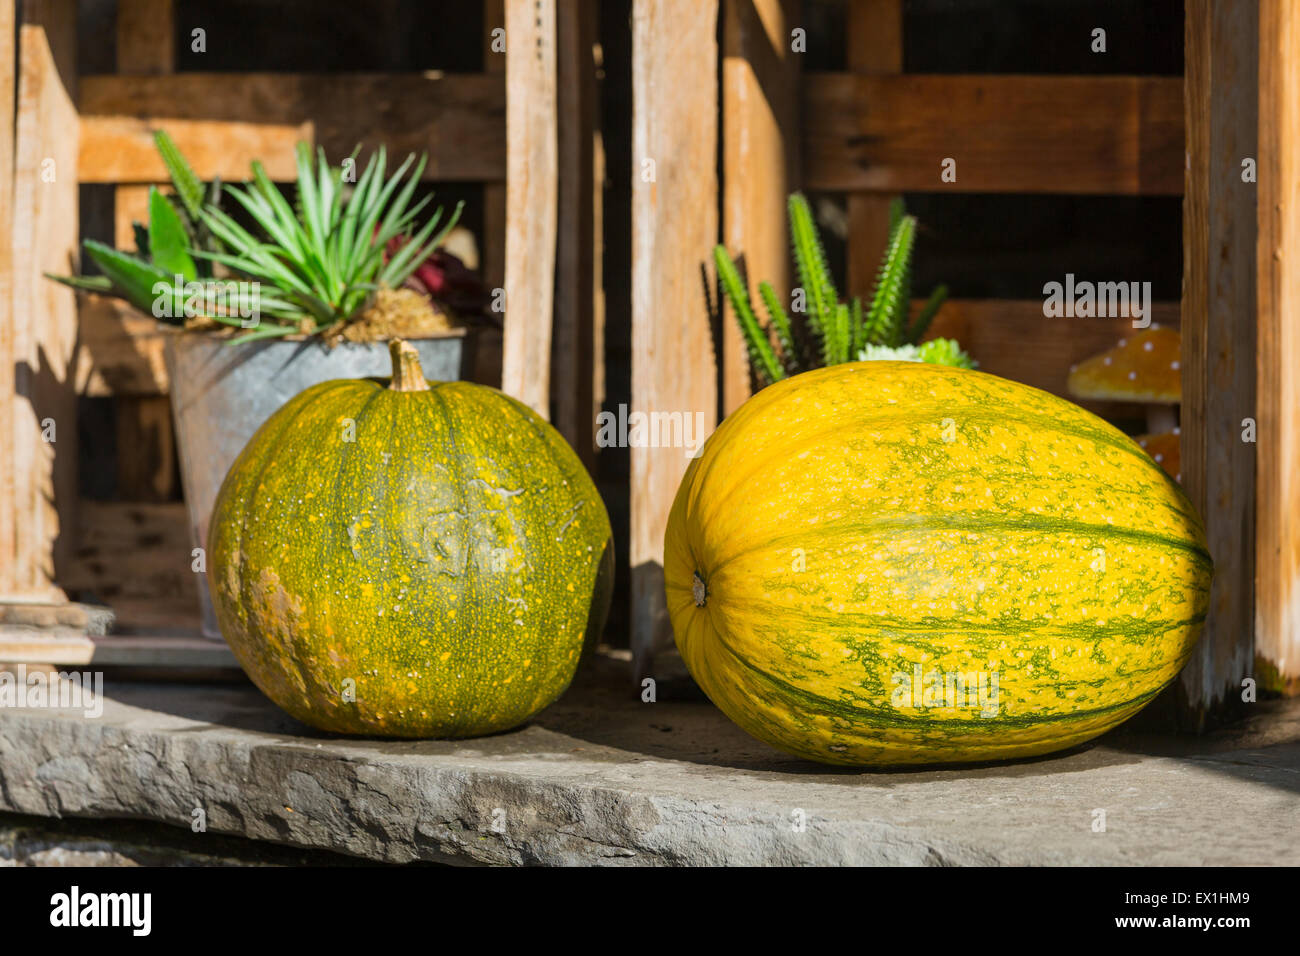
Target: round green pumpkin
{"points": [[409, 559]]}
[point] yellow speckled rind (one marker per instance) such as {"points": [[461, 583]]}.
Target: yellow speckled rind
{"points": [[853, 523], [409, 564]]}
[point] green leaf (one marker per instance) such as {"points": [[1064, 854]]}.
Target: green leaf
{"points": [[923, 318], [889, 285], [781, 323], [85, 283], [761, 355], [168, 240], [810, 261], [133, 279], [188, 186]]}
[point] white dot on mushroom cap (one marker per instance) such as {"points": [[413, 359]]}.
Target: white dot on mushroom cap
{"points": [[1175, 364], [1123, 342], [1106, 360], [1159, 457], [1147, 346], [1178, 477], [1132, 375], [1177, 430]]}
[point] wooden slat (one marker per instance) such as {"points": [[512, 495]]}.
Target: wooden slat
{"points": [[1013, 338], [493, 244], [1218, 313], [121, 350], [532, 187], [1015, 134], [759, 95], [222, 122], [136, 558], [9, 517], [39, 343], [146, 449], [146, 36], [572, 353], [1277, 550], [674, 225], [874, 46]]}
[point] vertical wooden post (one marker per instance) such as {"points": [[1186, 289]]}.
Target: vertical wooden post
{"points": [[146, 465], [38, 330], [572, 354], [1218, 327], [492, 252], [9, 517], [674, 227], [531, 200], [1277, 550], [760, 156], [875, 45]]}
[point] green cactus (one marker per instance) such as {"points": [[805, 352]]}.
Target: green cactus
{"points": [[843, 332]]}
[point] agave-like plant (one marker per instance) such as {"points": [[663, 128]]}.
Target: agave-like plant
{"points": [[147, 279], [833, 331], [324, 255]]}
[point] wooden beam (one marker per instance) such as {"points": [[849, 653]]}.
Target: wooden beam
{"points": [[9, 516], [121, 350], [1277, 547], [572, 350], [1218, 313], [40, 341], [221, 122], [875, 46], [674, 227], [146, 32], [492, 258], [1016, 134], [532, 200], [760, 75]]}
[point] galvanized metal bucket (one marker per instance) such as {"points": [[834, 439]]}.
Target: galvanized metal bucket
{"points": [[221, 394]]}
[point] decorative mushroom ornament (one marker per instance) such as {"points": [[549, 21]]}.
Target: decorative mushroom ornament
{"points": [[1142, 368], [1165, 450]]}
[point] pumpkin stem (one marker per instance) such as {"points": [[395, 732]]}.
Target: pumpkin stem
{"points": [[699, 590], [407, 374]]}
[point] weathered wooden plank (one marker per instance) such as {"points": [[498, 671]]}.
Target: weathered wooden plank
{"points": [[875, 46], [760, 159], [221, 122], [1218, 313], [572, 355], [1277, 546], [493, 245], [121, 350], [136, 558], [9, 517], [1016, 134], [146, 449], [1013, 338], [532, 200], [40, 341], [146, 36], [674, 227]]}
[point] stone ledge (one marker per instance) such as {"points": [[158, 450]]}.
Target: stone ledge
{"points": [[603, 778]]}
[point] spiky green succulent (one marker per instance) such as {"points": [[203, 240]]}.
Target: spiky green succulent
{"points": [[827, 331], [325, 255]]}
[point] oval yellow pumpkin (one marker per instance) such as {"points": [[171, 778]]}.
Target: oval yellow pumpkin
{"points": [[897, 563]]}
